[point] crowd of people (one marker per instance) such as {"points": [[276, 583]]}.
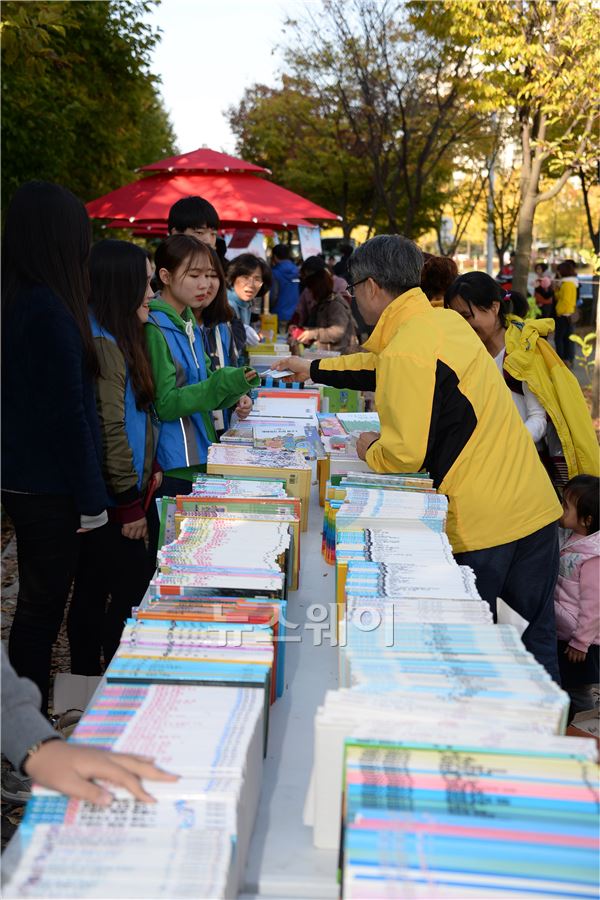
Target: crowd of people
{"points": [[118, 372]]}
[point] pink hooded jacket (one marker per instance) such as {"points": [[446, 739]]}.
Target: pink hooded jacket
{"points": [[577, 600]]}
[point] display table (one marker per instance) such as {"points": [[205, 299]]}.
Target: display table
{"points": [[282, 861]]}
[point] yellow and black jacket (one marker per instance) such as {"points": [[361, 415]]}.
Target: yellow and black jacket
{"points": [[444, 407]]}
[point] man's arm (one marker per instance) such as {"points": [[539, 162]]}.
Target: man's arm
{"points": [[404, 403], [353, 371]]}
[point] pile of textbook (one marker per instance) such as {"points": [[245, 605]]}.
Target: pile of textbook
{"points": [[281, 420], [198, 667], [193, 841], [441, 759], [191, 685]]}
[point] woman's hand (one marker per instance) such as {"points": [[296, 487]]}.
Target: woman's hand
{"points": [[244, 407], [135, 531], [72, 769], [305, 337], [250, 375], [574, 655], [156, 481]]}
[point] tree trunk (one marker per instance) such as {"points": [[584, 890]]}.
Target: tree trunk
{"points": [[524, 241], [346, 230]]}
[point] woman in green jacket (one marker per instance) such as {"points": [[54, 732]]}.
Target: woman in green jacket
{"points": [[185, 390]]}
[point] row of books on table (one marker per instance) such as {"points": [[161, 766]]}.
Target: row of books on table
{"points": [[441, 768], [198, 667]]}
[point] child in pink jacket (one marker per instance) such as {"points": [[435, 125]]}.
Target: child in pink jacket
{"points": [[577, 597]]}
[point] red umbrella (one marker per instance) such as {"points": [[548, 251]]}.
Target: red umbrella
{"points": [[203, 160], [159, 229], [240, 199]]}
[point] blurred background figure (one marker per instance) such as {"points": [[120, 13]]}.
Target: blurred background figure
{"points": [[437, 275], [285, 285], [341, 267]]}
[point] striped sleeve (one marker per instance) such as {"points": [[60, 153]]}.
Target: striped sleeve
{"points": [[353, 371]]}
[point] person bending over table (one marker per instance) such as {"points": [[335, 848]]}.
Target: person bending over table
{"points": [[443, 407]]}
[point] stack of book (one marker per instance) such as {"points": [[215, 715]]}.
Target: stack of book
{"points": [[244, 508], [441, 760], [277, 434], [69, 861], [403, 502], [191, 686], [194, 839], [339, 433], [470, 815], [234, 461]]}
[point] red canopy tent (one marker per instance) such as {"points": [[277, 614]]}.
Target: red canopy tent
{"points": [[159, 229], [241, 197], [203, 160]]}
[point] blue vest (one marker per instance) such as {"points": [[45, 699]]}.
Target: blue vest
{"points": [[136, 420], [287, 275], [210, 348], [183, 442]]}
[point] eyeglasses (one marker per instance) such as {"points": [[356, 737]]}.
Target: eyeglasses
{"points": [[251, 279], [356, 283]]}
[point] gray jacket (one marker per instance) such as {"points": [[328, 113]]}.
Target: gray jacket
{"points": [[23, 725]]}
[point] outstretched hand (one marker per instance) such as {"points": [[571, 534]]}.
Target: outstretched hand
{"points": [[300, 367], [73, 769]]}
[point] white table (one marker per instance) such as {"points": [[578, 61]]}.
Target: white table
{"points": [[282, 861]]}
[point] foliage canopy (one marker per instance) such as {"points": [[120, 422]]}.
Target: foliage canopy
{"points": [[79, 103]]}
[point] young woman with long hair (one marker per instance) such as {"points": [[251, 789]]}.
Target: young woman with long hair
{"points": [[222, 332], [52, 484], [114, 561], [186, 390]]}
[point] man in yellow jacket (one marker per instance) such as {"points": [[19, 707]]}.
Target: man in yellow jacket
{"points": [[444, 407]]}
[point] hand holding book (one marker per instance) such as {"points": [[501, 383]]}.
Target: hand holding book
{"points": [[364, 441], [300, 367]]}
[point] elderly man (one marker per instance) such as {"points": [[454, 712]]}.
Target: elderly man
{"points": [[444, 407]]}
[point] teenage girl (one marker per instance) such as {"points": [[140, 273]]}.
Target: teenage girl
{"points": [[52, 485], [186, 391], [114, 560], [222, 332], [577, 591]]}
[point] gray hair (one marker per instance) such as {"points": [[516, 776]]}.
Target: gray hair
{"points": [[393, 261]]}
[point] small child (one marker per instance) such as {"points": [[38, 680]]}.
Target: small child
{"points": [[576, 600]]}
